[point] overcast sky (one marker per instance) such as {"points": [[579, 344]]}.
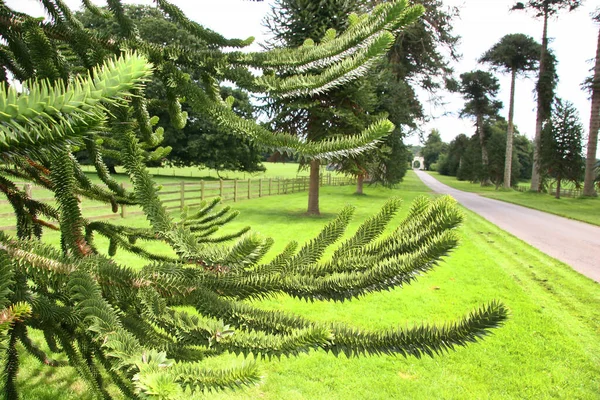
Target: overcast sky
{"points": [[481, 24]]}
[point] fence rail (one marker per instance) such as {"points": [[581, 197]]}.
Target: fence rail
{"points": [[552, 191], [191, 194]]}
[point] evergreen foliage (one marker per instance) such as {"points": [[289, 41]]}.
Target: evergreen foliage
{"points": [[122, 329], [547, 77], [514, 54], [463, 156], [432, 149], [562, 153], [479, 88]]}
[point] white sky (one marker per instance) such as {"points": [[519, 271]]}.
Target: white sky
{"points": [[482, 23]]}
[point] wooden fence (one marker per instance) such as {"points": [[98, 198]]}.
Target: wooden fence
{"points": [[187, 194], [552, 191]]}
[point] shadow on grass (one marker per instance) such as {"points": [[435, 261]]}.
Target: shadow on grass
{"points": [[46, 383]]}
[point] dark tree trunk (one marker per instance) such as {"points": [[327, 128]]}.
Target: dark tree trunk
{"points": [[359, 184], [510, 133], [485, 178], [539, 120], [313, 188], [558, 188], [111, 169], [592, 146]]}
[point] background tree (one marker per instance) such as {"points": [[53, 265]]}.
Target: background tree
{"points": [[344, 111], [496, 144], [201, 142], [454, 157], [479, 89], [419, 59], [562, 153], [592, 144], [523, 148], [385, 165], [547, 72], [433, 147], [516, 54]]}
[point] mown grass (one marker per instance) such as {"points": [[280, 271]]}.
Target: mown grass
{"points": [[583, 209], [549, 348]]}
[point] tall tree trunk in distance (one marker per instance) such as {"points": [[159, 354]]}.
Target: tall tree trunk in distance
{"points": [[485, 179], [557, 188], [359, 184], [510, 132], [539, 120], [592, 146], [313, 188]]}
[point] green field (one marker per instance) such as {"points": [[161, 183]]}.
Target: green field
{"points": [[273, 170], [581, 208], [549, 348]]}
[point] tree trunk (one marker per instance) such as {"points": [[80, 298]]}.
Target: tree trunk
{"points": [[557, 188], [592, 145], [111, 169], [485, 178], [539, 120], [359, 184], [313, 188], [510, 133]]}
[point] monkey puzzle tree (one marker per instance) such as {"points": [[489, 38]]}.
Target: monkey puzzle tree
{"points": [[124, 328], [479, 89], [516, 54], [318, 116], [547, 75]]}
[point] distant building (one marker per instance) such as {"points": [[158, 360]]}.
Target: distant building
{"points": [[418, 163]]}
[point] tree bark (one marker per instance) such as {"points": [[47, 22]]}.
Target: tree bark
{"points": [[539, 120], [592, 145], [485, 179], [359, 184], [510, 133], [313, 188], [557, 188]]}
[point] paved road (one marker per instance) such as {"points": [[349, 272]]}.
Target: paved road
{"points": [[572, 242]]}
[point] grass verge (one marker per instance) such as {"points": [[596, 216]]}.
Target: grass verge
{"points": [[583, 209], [549, 348]]}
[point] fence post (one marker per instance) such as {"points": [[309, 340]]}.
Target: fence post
{"points": [[182, 194], [304, 182], [202, 190], [270, 181], [278, 181], [249, 188], [221, 188], [329, 179], [260, 187], [27, 188], [123, 209], [234, 190]]}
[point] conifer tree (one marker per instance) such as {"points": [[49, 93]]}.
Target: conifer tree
{"points": [[547, 79], [516, 54], [123, 327], [479, 88], [562, 154]]}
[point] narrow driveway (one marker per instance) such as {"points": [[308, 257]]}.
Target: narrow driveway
{"points": [[572, 242]]}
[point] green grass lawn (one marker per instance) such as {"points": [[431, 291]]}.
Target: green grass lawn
{"points": [[581, 209], [549, 348]]}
